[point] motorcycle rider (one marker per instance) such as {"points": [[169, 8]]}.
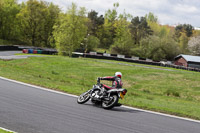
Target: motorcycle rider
{"points": [[116, 81]]}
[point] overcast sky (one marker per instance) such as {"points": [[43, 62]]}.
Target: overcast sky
{"points": [[170, 12]]}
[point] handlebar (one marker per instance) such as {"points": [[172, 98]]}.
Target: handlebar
{"points": [[98, 80]]}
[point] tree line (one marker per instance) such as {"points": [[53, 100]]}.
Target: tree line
{"points": [[44, 24]]}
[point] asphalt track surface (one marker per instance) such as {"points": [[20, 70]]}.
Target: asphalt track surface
{"points": [[10, 55], [28, 109]]}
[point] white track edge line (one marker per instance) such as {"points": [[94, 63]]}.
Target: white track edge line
{"points": [[62, 93], [162, 114], [38, 87], [7, 130]]}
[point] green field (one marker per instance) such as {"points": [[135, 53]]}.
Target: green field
{"points": [[174, 92]]}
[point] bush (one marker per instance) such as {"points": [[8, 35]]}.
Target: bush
{"points": [[92, 43], [157, 48]]}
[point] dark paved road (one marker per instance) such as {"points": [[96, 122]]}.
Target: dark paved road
{"points": [[9, 53], [27, 109]]}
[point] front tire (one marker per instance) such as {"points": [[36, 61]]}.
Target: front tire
{"points": [[83, 98], [111, 103]]}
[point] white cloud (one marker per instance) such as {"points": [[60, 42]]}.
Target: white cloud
{"points": [[168, 11], [186, 8]]}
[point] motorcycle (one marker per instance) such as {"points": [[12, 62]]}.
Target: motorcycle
{"points": [[99, 95]]}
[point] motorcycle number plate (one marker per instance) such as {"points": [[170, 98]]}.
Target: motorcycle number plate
{"points": [[121, 95]]}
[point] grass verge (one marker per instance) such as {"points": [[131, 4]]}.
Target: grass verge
{"points": [[173, 92], [4, 131]]}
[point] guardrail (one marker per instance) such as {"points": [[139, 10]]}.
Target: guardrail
{"points": [[5, 48], [97, 55], [28, 49], [130, 59]]}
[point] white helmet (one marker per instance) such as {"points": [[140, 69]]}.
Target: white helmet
{"points": [[118, 74]]}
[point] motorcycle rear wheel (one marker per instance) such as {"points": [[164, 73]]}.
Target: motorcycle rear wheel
{"points": [[83, 98], [110, 104]]}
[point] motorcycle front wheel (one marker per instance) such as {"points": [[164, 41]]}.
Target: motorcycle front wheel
{"points": [[83, 98], [111, 103]]}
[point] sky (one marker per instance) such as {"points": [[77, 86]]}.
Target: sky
{"points": [[171, 12]]}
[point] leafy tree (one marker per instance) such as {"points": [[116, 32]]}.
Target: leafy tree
{"points": [[91, 43], [1, 13], [8, 22], [150, 47], [94, 22], [50, 20], [170, 47], [123, 40], [151, 18], [158, 29], [183, 42], [139, 29], [32, 20], [71, 29], [111, 15], [157, 48], [107, 32], [104, 35], [187, 28], [36, 22]]}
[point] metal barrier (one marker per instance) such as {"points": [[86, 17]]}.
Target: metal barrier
{"points": [[131, 59], [97, 55], [6, 48]]}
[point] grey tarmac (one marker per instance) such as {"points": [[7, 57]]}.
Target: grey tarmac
{"points": [[27, 109]]}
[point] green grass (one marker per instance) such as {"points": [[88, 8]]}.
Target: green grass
{"points": [[3, 131], [174, 92]]}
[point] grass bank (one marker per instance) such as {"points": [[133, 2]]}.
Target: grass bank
{"points": [[173, 92]]}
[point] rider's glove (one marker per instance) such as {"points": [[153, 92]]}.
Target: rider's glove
{"points": [[98, 79]]}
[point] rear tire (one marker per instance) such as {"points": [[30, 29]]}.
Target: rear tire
{"points": [[83, 98], [110, 104]]}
